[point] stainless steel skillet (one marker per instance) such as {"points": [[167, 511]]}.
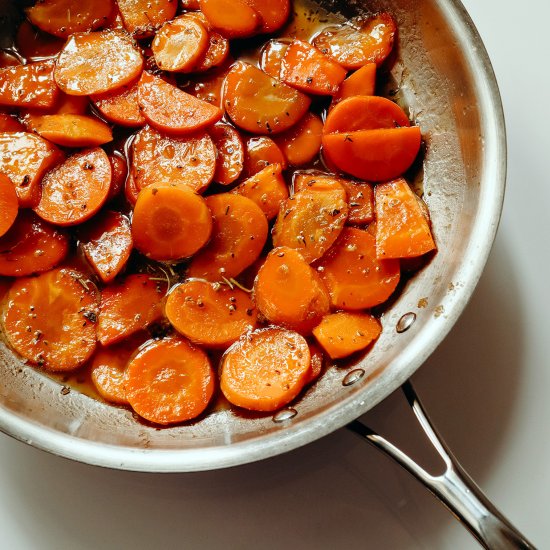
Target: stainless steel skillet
{"points": [[442, 73]]}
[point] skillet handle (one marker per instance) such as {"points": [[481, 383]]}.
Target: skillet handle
{"points": [[454, 488]]}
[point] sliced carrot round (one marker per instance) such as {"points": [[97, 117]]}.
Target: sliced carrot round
{"points": [[232, 18], [272, 55], [361, 82], [9, 204], [74, 130], [302, 143], [119, 169], [260, 104], [97, 62], [358, 42], [75, 190], [128, 307], [230, 149], [51, 319], [316, 181], [121, 106], [209, 87], [210, 314], [289, 292], [161, 160], [9, 123], [216, 53], [238, 235], [33, 43], [265, 369], [260, 153], [31, 246], [142, 17], [354, 276], [170, 381], [170, 223]]}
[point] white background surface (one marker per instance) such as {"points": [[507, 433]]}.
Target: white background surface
{"points": [[486, 389]]}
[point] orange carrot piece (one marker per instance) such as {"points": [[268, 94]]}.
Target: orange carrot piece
{"points": [[302, 143], [316, 181], [272, 55], [190, 4], [289, 292], [358, 42], [265, 369], [231, 18], [107, 243], [230, 149], [119, 169], [273, 13], [74, 130], [27, 235], [354, 276], [51, 319], [209, 87], [260, 104], [33, 43], [128, 307], [361, 82], [343, 333], [210, 314], [170, 223], [317, 363], [29, 85], [262, 152], [169, 381], [402, 230], [131, 191], [142, 17], [267, 189], [9, 123], [238, 236], [121, 106], [217, 50], [9, 204], [97, 63]]}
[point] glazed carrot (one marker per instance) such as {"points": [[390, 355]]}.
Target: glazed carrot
{"points": [[265, 369], [190, 4], [65, 17], [361, 82], [162, 160], [33, 43], [170, 223], [358, 42], [311, 221], [131, 191], [273, 13], [354, 276], [271, 57], [171, 110], [29, 85], [50, 319], [142, 17], [9, 123], [289, 292], [229, 145], [19, 246], [107, 243], [74, 130], [317, 363], [402, 230], [9, 204], [97, 63], [267, 189], [301, 144], [217, 50], [343, 333], [238, 235], [316, 181], [307, 69], [180, 44], [121, 106], [25, 158], [231, 18], [128, 307], [210, 314], [260, 104], [169, 381], [261, 152], [119, 170], [209, 87], [374, 155]]}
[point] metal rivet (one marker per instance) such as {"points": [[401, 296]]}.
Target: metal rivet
{"points": [[285, 415], [406, 322], [352, 377]]}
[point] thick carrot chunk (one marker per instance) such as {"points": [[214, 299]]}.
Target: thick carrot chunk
{"points": [[74, 130], [361, 82], [230, 149], [272, 55], [9, 204], [301, 144], [261, 152], [232, 18], [273, 13], [142, 17], [121, 106]]}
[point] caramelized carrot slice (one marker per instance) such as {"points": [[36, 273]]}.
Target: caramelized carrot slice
{"points": [[74, 130], [51, 319], [97, 62], [128, 307], [171, 110], [210, 314], [265, 369], [361, 82], [31, 246], [271, 57], [33, 43], [75, 190], [402, 230], [289, 292], [25, 158], [170, 381], [358, 42], [238, 235], [121, 106], [273, 13], [231, 18], [65, 17], [170, 223], [9, 204], [209, 87], [29, 85], [9, 123], [317, 363], [262, 152], [267, 189], [180, 44], [230, 149], [373, 155], [217, 50], [107, 243], [316, 181], [142, 17], [311, 221], [162, 160], [354, 276], [307, 69], [119, 169], [260, 104], [302, 143], [343, 333]]}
